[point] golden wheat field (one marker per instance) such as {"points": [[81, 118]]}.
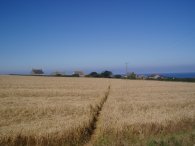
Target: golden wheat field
{"points": [[95, 112], [47, 110], [147, 113]]}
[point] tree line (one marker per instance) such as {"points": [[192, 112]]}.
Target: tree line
{"points": [[104, 74], [109, 74]]}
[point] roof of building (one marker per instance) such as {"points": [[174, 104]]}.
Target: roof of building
{"points": [[37, 71]]}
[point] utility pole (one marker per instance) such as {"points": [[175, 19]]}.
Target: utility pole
{"points": [[126, 66]]}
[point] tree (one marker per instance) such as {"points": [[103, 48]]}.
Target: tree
{"points": [[93, 74], [131, 76], [117, 76], [106, 74]]}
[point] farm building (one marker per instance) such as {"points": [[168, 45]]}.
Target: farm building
{"points": [[37, 72], [155, 76], [79, 73], [143, 77]]}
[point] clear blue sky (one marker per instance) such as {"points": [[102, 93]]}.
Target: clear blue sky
{"points": [[151, 35]]}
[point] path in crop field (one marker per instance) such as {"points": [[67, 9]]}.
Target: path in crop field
{"points": [[95, 120]]}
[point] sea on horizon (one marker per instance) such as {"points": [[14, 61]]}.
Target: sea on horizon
{"points": [[177, 75]]}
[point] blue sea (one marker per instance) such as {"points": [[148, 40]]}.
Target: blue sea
{"points": [[178, 75]]}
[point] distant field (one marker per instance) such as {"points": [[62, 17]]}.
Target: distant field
{"points": [[89, 111]]}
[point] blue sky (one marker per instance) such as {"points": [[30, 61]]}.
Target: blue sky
{"points": [[152, 35]]}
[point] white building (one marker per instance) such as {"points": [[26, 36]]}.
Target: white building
{"points": [[80, 73]]}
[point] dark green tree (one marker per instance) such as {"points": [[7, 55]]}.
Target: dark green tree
{"points": [[131, 76], [93, 74], [106, 74]]}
